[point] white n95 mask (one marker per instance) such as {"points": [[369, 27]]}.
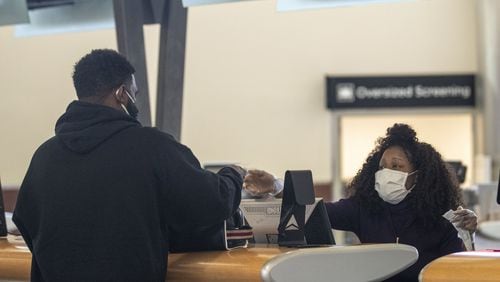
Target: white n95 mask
{"points": [[390, 185]]}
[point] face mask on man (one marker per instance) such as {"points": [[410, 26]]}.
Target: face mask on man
{"points": [[390, 185], [131, 109]]}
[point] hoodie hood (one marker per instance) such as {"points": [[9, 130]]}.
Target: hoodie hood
{"points": [[84, 126]]}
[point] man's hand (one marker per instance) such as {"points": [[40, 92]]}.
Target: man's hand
{"points": [[259, 183], [465, 218], [239, 169]]}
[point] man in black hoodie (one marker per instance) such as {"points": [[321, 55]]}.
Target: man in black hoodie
{"points": [[100, 196]]}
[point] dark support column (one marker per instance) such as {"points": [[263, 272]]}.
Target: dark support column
{"points": [[171, 68], [130, 37]]}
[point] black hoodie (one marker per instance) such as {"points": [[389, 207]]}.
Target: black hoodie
{"points": [[99, 198]]}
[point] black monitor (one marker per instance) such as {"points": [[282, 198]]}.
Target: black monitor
{"points": [[498, 191], [3, 223], [295, 228]]}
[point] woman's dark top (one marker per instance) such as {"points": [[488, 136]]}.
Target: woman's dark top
{"points": [[396, 223]]}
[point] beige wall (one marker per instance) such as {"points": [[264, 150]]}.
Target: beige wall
{"points": [[258, 76], [35, 75], [450, 134], [254, 88], [36, 87]]}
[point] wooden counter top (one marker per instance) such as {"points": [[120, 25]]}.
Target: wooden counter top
{"points": [[238, 264], [234, 265], [15, 259], [245, 264], [464, 266]]}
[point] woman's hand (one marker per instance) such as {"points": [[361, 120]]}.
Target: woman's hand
{"points": [[465, 219]]}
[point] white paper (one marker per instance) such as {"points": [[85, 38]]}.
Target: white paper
{"points": [[466, 236]]}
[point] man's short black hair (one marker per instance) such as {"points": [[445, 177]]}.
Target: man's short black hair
{"points": [[101, 71]]}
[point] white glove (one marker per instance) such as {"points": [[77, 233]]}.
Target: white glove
{"points": [[465, 222], [260, 183]]}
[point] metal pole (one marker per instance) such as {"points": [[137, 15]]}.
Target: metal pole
{"points": [[130, 37], [171, 68]]}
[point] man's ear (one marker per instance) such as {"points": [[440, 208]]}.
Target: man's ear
{"points": [[120, 95]]}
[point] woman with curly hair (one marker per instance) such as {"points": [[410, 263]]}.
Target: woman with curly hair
{"points": [[399, 196]]}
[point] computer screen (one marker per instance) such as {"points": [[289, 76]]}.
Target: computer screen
{"points": [[263, 215], [498, 190], [3, 223]]}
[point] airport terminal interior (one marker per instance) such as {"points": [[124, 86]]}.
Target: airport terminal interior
{"points": [[301, 89]]}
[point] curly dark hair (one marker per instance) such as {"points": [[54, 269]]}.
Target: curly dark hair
{"points": [[436, 189], [101, 71]]}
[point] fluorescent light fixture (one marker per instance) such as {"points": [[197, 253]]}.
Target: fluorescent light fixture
{"points": [[293, 5], [13, 12], [189, 3], [81, 16]]}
